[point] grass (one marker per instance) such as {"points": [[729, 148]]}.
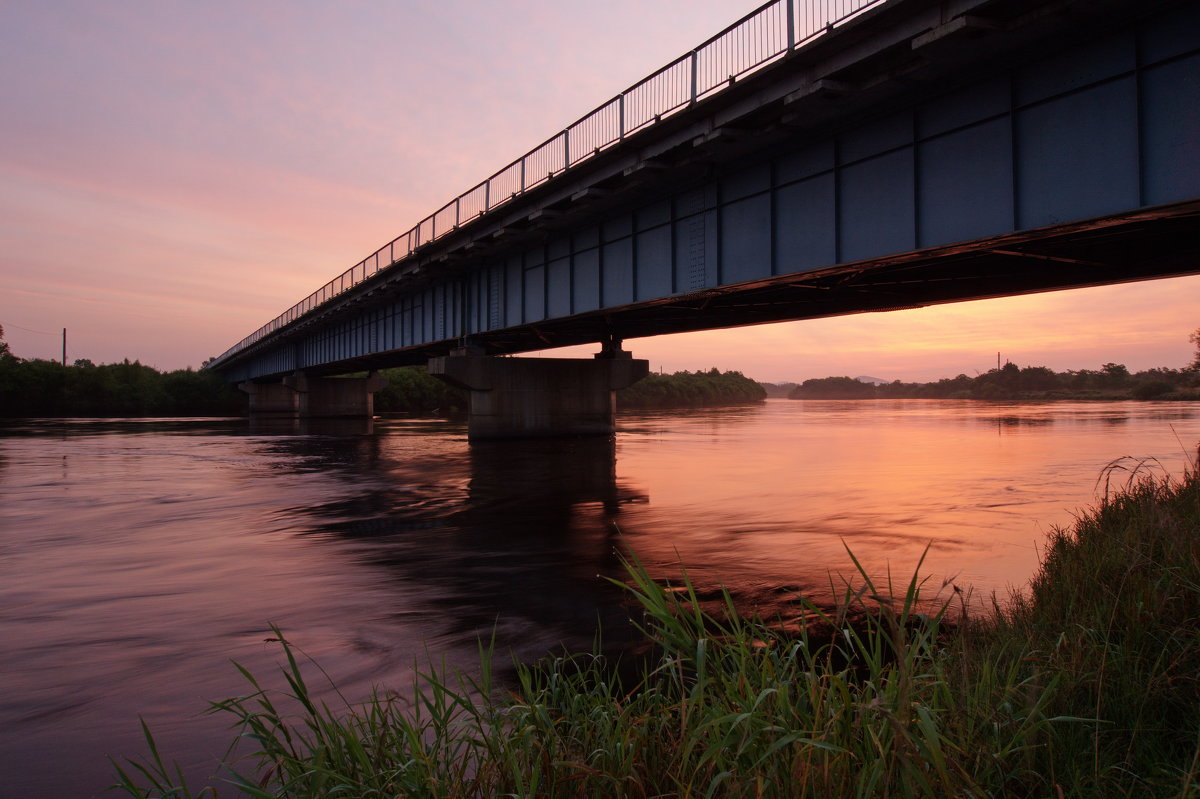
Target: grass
{"points": [[1086, 685]]}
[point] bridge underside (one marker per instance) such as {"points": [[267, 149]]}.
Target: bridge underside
{"points": [[1152, 243]]}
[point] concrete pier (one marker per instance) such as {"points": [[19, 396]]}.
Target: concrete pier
{"points": [[305, 396], [539, 397], [335, 396], [271, 399]]}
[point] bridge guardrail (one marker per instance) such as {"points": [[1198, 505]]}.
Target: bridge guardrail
{"points": [[760, 37]]}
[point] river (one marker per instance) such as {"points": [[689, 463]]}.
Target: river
{"points": [[138, 558]]}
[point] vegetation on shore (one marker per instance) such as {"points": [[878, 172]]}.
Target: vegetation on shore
{"points": [[691, 390], [41, 388], [412, 390], [1112, 381], [1086, 685], [47, 388]]}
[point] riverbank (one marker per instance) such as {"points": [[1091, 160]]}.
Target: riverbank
{"points": [[1085, 685], [1111, 383]]}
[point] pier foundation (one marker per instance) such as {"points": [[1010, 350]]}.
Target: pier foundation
{"points": [[305, 396], [270, 399], [539, 397]]}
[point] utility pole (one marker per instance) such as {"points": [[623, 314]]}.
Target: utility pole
{"points": [[64, 346]]}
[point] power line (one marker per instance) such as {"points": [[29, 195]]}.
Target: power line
{"points": [[28, 330]]}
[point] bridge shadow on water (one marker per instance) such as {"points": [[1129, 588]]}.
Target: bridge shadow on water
{"points": [[511, 538]]}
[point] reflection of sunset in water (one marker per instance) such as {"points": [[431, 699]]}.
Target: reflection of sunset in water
{"points": [[760, 498]]}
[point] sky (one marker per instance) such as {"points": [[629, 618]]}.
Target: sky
{"points": [[174, 174]]}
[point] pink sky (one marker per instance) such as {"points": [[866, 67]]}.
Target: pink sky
{"points": [[174, 174]]}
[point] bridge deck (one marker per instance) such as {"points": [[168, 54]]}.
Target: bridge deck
{"points": [[920, 153]]}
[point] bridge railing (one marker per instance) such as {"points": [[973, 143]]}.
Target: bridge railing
{"points": [[762, 36]]}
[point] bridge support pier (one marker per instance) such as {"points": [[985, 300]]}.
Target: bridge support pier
{"points": [[270, 399], [329, 397], [540, 397], [315, 397]]}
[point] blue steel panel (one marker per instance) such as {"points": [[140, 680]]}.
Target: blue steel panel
{"points": [[965, 184], [617, 267], [452, 301], [696, 259], [966, 107], [695, 201], [428, 314], [654, 263], [495, 279], [805, 225], [412, 316], [473, 288], [746, 239], [653, 215], [804, 163], [712, 243], [618, 227], [1171, 35], [535, 294], [558, 280], [585, 267], [1171, 131], [440, 306], [745, 181], [586, 237], [481, 301], [1077, 67], [1077, 156], [876, 208], [876, 137], [558, 247], [514, 291]]}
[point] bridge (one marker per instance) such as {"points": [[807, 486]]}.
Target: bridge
{"points": [[815, 158]]}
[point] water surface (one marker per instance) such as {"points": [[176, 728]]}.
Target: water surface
{"points": [[137, 558]]}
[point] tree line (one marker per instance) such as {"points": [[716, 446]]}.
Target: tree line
{"points": [[1112, 381], [36, 387], [691, 390], [413, 390]]}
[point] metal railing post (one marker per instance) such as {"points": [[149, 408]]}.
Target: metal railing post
{"points": [[791, 24], [522, 174], [487, 195], [566, 148], [621, 117], [696, 69]]}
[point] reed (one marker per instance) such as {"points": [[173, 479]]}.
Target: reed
{"points": [[1086, 685]]}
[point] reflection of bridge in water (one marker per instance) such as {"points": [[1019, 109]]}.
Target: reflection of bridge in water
{"points": [[507, 538], [814, 159]]}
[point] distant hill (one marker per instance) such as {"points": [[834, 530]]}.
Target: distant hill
{"points": [[875, 381], [777, 389]]}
